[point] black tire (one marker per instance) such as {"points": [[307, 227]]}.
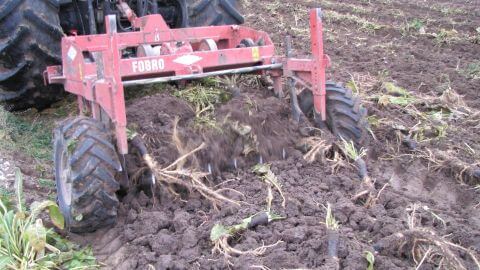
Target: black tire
{"points": [[30, 35], [346, 118], [86, 163], [213, 12]]}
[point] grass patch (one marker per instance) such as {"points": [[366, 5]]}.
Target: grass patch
{"points": [[412, 27], [445, 36], [476, 36], [46, 183], [351, 151], [448, 11], [356, 9], [366, 25], [395, 95], [33, 138], [472, 70], [203, 97]]}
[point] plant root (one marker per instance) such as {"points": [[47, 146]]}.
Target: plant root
{"points": [[318, 148], [222, 246], [176, 174], [424, 245], [368, 192], [441, 160]]}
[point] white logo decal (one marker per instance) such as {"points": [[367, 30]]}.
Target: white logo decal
{"points": [[72, 53], [187, 59], [148, 65]]}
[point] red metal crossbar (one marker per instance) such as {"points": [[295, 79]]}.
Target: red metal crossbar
{"points": [[97, 67]]}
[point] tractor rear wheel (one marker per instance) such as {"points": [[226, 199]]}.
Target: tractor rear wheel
{"points": [[346, 118], [213, 12], [30, 36], [86, 163]]}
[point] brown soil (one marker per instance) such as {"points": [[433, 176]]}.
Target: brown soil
{"points": [[174, 233]]}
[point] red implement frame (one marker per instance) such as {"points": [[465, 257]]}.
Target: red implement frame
{"points": [[97, 67]]}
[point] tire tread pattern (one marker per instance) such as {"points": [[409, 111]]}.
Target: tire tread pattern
{"points": [[30, 35], [214, 12], [93, 164], [346, 117]]}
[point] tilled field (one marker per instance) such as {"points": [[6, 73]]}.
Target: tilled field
{"points": [[416, 64]]}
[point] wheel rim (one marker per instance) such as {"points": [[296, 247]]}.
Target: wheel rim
{"points": [[64, 185]]}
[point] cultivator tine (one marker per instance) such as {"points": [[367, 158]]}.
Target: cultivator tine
{"points": [[209, 168], [297, 113], [124, 180], [284, 153]]}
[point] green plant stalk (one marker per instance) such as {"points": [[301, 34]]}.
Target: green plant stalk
{"points": [[262, 218], [263, 170], [370, 259]]}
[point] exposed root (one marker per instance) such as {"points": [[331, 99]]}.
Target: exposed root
{"points": [[451, 98], [425, 245], [178, 143], [368, 192], [219, 235], [318, 148], [442, 160], [223, 247], [337, 162], [176, 174]]}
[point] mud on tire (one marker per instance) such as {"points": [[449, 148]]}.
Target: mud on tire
{"points": [[30, 35], [346, 117], [86, 163], [213, 12]]}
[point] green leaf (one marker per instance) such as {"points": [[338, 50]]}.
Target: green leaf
{"points": [[56, 240], [82, 259], [218, 231], [56, 216], [402, 101], [274, 217], [6, 261], [36, 236], [261, 168], [19, 189], [392, 89], [37, 207], [370, 259], [353, 86]]}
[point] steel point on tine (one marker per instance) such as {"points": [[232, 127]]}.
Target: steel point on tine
{"points": [[209, 168]]}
